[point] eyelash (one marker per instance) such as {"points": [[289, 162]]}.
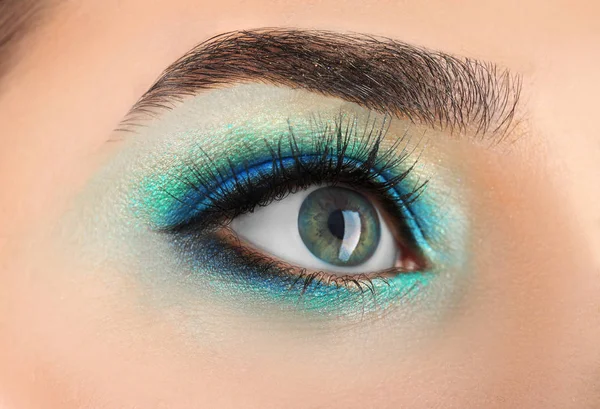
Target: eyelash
{"points": [[295, 277], [339, 154], [224, 193]]}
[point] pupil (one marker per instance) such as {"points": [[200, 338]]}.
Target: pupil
{"points": [[336, 224]]}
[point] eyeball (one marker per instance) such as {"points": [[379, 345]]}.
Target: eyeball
{"points": [[333, 229]]}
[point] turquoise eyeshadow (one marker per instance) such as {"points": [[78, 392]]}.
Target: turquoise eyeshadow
{"points": [[232, 276], [174, 198]]}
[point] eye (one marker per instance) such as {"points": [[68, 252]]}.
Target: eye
{"points": [[322, 212], [327, 212], [331, 229]]}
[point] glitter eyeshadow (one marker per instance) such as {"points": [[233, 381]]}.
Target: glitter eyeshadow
{"points": [[166, 193]]}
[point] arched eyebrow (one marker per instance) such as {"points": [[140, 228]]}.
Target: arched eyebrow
{"points": [[424, 86]]}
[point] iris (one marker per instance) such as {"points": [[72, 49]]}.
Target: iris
{"points": [[340, 226]]}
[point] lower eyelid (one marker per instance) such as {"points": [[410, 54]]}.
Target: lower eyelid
{"points": [[272, 283]]}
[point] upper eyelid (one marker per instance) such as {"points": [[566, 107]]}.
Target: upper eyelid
{"points": [[430, 87]]}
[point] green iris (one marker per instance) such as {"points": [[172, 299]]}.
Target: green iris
{"points": [[340, 226]]}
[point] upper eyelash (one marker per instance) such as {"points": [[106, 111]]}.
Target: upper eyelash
{"points": [[340, 153]]}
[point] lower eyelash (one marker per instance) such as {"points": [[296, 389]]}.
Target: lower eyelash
{"points": [[263, 276], [301, 277]]}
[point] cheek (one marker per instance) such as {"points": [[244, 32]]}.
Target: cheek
{"points": [[70, 333], [528, 301]]}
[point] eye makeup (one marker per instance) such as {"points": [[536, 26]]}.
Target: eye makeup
{"points": [[225, 154]]}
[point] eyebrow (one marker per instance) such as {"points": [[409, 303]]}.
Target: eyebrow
{"points": [[443, 91]]}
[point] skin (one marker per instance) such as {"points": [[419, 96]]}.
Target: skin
{"points": [[525, 334]]}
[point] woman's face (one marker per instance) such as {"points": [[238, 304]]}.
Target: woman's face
{"points": [[302, 219]]}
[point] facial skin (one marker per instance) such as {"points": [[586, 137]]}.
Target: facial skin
{"points": [[74, 333]]}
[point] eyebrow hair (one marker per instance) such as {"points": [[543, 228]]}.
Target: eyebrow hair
{"points": [[382, 74]]}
